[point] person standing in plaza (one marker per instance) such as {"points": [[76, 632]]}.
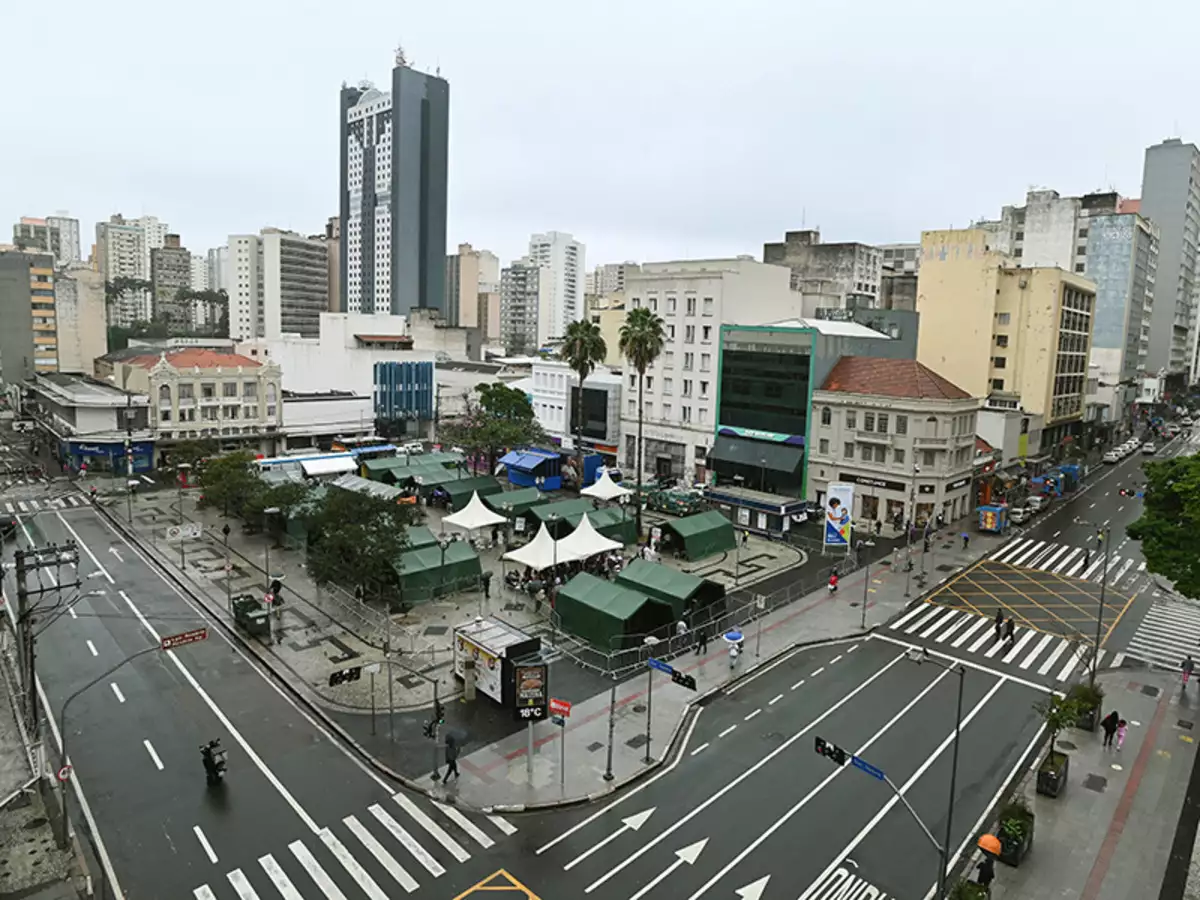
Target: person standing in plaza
{"points": [[1109, 724]]}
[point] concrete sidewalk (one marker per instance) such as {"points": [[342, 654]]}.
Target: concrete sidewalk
{"points": [[1109, 835]]}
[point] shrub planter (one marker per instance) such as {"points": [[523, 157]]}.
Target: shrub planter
{"points": [[968, 890], [1015, 832], [1088, 719], [1052, 774], [1089, 699]]}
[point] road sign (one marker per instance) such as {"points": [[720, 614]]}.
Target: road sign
{"points": [[173, 532], [64, 773], [172, 641], [560, 707], [268, 598], [859, 763], [660, 665]]}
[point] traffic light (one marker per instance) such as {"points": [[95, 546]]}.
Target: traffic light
{"points": [[683, 679], [832, 751], [439, 713]]}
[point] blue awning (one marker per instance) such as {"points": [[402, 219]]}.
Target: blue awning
{"points": [[510, 457]]}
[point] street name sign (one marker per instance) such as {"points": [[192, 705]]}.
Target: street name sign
{"points": [[660, 665], [859, 763], [680, 678], [171, 641]]}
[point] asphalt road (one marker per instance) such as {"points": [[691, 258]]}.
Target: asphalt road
{"points": [[293, 802], [748, 797]]}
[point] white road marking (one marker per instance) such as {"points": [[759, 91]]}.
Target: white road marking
{"points": [[750, 716], [21, 506], [384, 858], [473, 831], [981, 622], [818, 672], [775, 700], [92, 647], [153, 754], [798, 684], [1028, 636], [1033, 654], [933, 613], [852, 648], [1142, 566], [207, 847], [319, 876], [205, 893], [1063, 644], [948, 615], [503, 824], [352, 866], [279, 878], [988, 635], [433, 828], [1071, 664], [116, 690], [835, 659], [1057, 533], [727, 730], [419, 853], [241, 884], [703, 746], [911, 614]]}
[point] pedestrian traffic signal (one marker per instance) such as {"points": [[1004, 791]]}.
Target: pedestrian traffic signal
{"points": [[684, 680], [832, 751], [439, 713]]}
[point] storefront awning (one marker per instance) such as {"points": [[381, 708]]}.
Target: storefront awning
{"points": [[758, 454]]}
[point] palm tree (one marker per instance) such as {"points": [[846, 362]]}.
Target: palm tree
{"points": [[582, 349], [641, 342]]}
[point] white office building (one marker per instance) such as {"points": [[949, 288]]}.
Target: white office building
{"points": [[121, 252], [199, 273], [563, 256]]}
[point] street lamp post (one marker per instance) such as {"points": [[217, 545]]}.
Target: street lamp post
{"points": [[650, 641], [130, 487], [443, 545], [269, 511], [912, 528], [182, 468], [228, 571], [956, 668], [858, 548], [1103, 534]]}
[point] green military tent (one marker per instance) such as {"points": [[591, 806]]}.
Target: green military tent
{"points": [[686, 593], [561, 513], [425, 576], [420, 536], [612, 523], [600, 611], [514, 504], [461, 489], [698, 536]]}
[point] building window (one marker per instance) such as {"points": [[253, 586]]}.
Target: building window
{"points": [[705, 361], [708, 306], [851, 419], [230, 412], [670, 305], [1003, 318], [1002, 340], [864, 452], [898, 456], [881, 423], [823, 446], [632, 382], [229, 389], [689, 362], [649, 382], [868, 421], [1079, 267], [689, 334], [668, 386], [164, 415], [703, 389], [687, 387], [685, 413], [927, 458], [848, 450], [187, 392], [706, 333], [1019, 236], [669, 359], [901, 424], [666, 414], [653, 301], [670, 332], [250, 390], [1000, 362], [703, 415], [826, 416], [997, 384], [164, 396]]}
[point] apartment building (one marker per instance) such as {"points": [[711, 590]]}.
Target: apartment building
{"points": [[564, 258], [29, 338], [844, 275], [525, 307], [170, 273], [473, 289], [80, 310], [55, 235], [122, 253]]}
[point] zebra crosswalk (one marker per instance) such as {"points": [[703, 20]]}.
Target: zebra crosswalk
{"points": [[369, 854], [1033, 652], [1063, 559], [1168, 633], [68, 501]]}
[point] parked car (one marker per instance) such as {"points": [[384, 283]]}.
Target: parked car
{"points": [[1039, 503], [1186, 422], [1019, 515], [1149, 449], [1112, 456]]}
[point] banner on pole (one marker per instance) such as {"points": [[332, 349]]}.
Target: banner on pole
{"points": [[839, 507]]}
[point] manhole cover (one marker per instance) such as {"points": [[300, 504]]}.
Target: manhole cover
{"points": [[945, 568], [640, 708], [1095, 783], [594, 746], [638, 740], [1067, 745], [436, 629], [1149, 690], [854, 603], [1185, 724]]}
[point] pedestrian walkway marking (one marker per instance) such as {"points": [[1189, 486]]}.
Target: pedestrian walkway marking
{"points": [[419, 853], [241, 884], [9, 508], [962, 638], [384, 858], [319, 876], [1168, 633], [435, 830], [1071, 664], [1058, 651], [1020, 645], [279, 878], [1028, 661], [204, 893], [352, 866], [472, 830], [503, 824]]}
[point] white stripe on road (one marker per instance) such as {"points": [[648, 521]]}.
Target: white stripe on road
{"points": [[1094, 566], [204, 892], [703, 746], [989, 635], [503, 824], [1142, 566], [1020, 558], [1028, 636], [8, 507], [384, 858], [92, 647], [912, 613], [212, 857], [1071, 664], [419, 853], [241, 884], [352, 866], [798, 683], [279, 878], [933, 613], [1068, 559], [473, 831], [435, 830], [319, 876], [962, 620], [1036, 651], [750, 716], [965, 636], [153, 755], [116, 690], [997, 645], [1117, 660], [816, 673], [1125, 568], [947, 615], [1010, 548], [21, 505], [1051, 560], [727, 730], [775, 699], [1062, 645]]}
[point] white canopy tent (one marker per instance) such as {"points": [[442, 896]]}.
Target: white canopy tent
{"points": [[585, 542], [474, 515], [605, 488], [540, 553]]}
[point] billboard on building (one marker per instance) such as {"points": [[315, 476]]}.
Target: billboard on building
{"points": [[839, 506]]}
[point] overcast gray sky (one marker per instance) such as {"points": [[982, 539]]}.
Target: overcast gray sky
{"points": [[654, 129]]}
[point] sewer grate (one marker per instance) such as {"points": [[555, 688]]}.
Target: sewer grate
{"points": [[1150, 690], [594, 746], [436, 629], [638, 740], [639, 708], [1095, 783], [1185, 724]]}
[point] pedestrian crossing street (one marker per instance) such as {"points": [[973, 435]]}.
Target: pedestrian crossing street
{"points": [[1168, 633], [68, 501], [368, 855], [958, 632], [1062, 559]]}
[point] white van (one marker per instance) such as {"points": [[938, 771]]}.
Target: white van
{"points": [[1038, 503]]}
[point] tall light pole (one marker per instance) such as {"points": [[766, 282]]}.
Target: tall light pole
{"points": [[956, 668], [269, 511], [1103, 535], [912, 527], [650, 641], [182, 469], [858, 548]]}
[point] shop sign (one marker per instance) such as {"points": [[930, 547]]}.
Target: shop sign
{"points": [[868, 481], [959, 483]]}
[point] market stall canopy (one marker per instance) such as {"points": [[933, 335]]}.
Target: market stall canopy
{"points": [[524, 460], [329, 465], [462, 489], [418, 536], [605, 489], [597, 610], [376, 489], [538, 554], [613, 523], [559, 514], [474, 515], [701, 535], [585, 542], [685, 592], [430, 572], [515, 503]]}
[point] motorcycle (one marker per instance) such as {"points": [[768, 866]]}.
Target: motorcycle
{"points": [[214, 757]]}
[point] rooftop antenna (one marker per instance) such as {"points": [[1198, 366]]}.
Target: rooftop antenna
{"points": [[401, 59]]}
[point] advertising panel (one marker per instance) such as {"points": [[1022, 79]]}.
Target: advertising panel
{"points": [[839, 506], [532, 691], [487, 667]]}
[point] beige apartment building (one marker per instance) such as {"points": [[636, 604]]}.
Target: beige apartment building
{"points": [[608, 312], [1018, 336]]}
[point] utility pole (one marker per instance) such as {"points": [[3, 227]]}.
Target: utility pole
{"points": [[26, 562]]}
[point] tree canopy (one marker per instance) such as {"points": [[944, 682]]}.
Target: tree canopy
{"points": [[1170, 522], [356, 538], [230, 482], [498, 418]]}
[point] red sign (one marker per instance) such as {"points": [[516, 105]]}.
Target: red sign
{"points": [[268, 598], [64, 773], [560, 707], [172, 641]]}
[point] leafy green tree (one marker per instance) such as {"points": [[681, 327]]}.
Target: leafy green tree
{"points": [[289, 498], [230, 482], [1170, 521], [641, 342], [193, 452], [500, 417], [583, 348], [356, 538]]}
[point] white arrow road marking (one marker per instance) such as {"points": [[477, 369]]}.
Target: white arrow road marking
{"points": [[633, 823], [687, 855], [754, 890], [116, 553]]}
